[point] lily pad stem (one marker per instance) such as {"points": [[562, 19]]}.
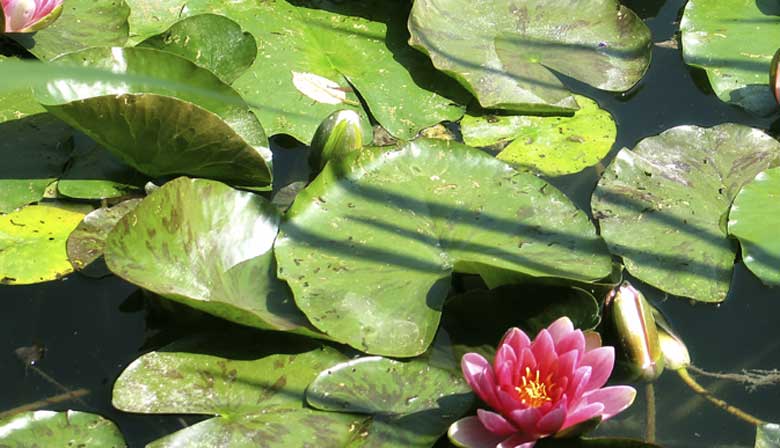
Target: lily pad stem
{"points": [[650, 422], [739, 413]]}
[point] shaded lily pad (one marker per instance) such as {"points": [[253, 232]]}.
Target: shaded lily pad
{"points": [[162, 130], [32, 244], [213, 42], [369, 246], [82, 24], [253, 385], [16, 102], [734, 41], [204, 244], [69, 428], [550, 145], [754, 220], [768, 436], [663, 206], [412, 403], [34, 151], [341, 46], [508, 57]]}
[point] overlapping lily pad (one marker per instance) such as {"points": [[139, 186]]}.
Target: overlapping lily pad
{"points": [[162, 130], [507, 52], [734, 41], [412, 403], [204, 244], [32, 244], [334, 45], [16, 102], [369, 246], [754, 219], [66, 429], [549, 145], [663, 206]]}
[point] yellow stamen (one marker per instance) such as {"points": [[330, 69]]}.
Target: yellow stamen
{"points": [[533, 391]]}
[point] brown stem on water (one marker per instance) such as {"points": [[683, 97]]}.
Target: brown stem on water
{"points": [[754, 378], [71, 395], [650, 418], [739, 413]]}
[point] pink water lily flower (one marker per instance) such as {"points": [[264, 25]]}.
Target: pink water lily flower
{"points": [[540, 388], [25, 16]]}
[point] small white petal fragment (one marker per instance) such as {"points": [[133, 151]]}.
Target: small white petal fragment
{"points": [[318, 88]]}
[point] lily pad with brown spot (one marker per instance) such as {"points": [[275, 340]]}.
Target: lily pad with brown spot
{"points": [[59, 429]]}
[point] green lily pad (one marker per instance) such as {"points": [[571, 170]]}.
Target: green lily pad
{"points": [[162, 130], [412, 403], [16, 102], [507, 58], [552, 146], [204, 244], [754, 220], [734, 41], [213, 42], [253, 385], [768, 436], [82, 24], [312, 54], [86, 243], [69, 428], [34, 151], [663, 206], [32, 244], [369, 246]]}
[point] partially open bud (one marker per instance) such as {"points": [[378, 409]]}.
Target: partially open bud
{"points": [[27, 16], [636, 330], [774, 83], [337, 136], [675, 352]]}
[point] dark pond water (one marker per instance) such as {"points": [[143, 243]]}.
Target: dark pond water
{"points": [[92, 328]]}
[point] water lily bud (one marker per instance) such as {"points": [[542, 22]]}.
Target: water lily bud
{"points": [[636, 329], [27, 16], [675, 352], [774, 83], [337, 136]]}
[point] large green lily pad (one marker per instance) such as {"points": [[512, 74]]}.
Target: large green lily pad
{"points": [[162, 130], [204, 244], [550, 145], [17, 101], [34, 151], [32, 244], [506, 52], [734, 41], [368, 247], [62, 429], [412, 403], [312, 54], [754, 220], [663, 206], [213, 42], [82, 24], [253, 384], [768, 436]]}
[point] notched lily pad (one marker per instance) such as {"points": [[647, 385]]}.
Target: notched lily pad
{"points": [[508, 58], [32, 244], [369, 246], [754, 220], [160, 130], [663, 206], [204, 244], [69, 428]]}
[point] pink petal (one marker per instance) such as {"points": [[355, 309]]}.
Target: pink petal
{"points": [[572, 341], [479, 375], [592, 340], [470, 433], [515, 338], [578, 383], [508, 400], [583, 413], [518, 441], [601, 360], [614, 399], [566, 365], [544, 351], [495, 423], [552, 421], [504, 374], [525, 419], [527, 359], [560, 328]]}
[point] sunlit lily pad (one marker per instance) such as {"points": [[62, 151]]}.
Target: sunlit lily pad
{"points": [[60, 429], [16, 103], [663, 206], [344, 45], [253, 384], [768, 436], [754, 219], [412, 403], [82, 24], [368, 248], [734, 41], [549, 145], [32, 244], [162, 130], [506, 52], [213, 42]]}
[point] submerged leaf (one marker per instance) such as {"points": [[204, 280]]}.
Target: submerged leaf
{"points": [[59, 429], [768, 436]]}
